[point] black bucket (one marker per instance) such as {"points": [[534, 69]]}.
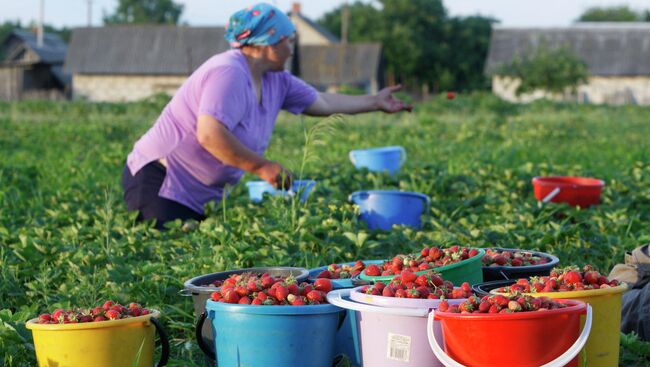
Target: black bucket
{"points": [[491, 273], [200, 290], [483, 289]]}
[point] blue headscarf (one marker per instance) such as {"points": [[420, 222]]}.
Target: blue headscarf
{"points": [[262, 24]]}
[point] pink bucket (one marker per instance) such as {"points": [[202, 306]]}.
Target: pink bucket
{"points": [[393, 334]]}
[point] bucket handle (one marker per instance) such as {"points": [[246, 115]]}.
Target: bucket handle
{"points": [[562, 360], [164, 340], [335, 298], [402, 156], [199, 337], [351, 155], [551, 195], [185, 292]]}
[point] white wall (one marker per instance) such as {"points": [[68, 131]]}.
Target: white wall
{"points": [[610, 90], [123, 88]]}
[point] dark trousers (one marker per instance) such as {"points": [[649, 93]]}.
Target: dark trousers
{"points": [[141, 194]]}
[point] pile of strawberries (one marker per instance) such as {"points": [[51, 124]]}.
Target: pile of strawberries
{"points": [[562, 280], [108, 311], [256, 289], [335, 271], [428, 258], [429, 285], [494, 257], [501, 304]]}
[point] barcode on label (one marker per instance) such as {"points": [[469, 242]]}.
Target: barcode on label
{"points": [[399, 347]]}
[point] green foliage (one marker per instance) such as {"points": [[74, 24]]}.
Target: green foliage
{"points": [[421, 44], [634, 351], [145, 12], [613, 14], [67, 239], [556, 70]]}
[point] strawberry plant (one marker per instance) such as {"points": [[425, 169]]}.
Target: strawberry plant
{"points": [[67, 239]]}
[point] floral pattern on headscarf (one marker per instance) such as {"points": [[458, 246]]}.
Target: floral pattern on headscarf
{"points": [[262, 24]]}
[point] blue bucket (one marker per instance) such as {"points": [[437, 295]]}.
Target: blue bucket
{"points": [[248, 335], [257, 189], [347, 337], [381, 159], [381, 209]]}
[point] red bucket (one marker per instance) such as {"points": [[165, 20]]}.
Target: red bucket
{"points": [[576, 191], [550, 338]]}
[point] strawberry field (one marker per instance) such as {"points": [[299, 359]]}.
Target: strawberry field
{"points": [[67, 239]]}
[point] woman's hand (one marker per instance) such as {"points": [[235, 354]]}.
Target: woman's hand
{"points": [[275, 174], [388, 103]]}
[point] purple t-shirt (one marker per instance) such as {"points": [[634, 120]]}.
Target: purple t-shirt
{"points": [[222, 87]]}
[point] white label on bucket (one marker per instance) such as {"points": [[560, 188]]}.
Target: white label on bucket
{"points": [[399, 347]]}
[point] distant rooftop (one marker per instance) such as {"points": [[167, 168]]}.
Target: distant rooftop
{"points": [[609, 49]]}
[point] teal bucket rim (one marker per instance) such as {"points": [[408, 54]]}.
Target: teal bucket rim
{"points": [[270, 310], [478, 257]]}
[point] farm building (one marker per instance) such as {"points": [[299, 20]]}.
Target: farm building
{"points": [[617, 56], [126, 63], [32, 71]]}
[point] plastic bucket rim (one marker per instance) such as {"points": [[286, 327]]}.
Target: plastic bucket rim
{"points": [[575, 307], [260, 183], [546, 181], [621, 288], [554, 260], [188, 286], [280, 310], [373, 150], [32, 324], [481, 253], [355, 291], [390, 192]]}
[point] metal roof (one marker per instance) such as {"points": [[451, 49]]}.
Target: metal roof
{"points": [[609, 49], [52, 51], [143, 49], [339, 63]]}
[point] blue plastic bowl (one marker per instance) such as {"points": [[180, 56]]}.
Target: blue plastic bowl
{"points": [[380, 159], [381, 209]]}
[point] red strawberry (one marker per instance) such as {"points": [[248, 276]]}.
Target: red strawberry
{"points": [[373, 270], [315, 296], [324, 285], [112, 314], [443, 306], [324, 274]]}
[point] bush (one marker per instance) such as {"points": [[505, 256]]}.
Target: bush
{"points": [[557, 70]]}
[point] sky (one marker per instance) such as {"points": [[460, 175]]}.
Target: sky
{"points": [[516, 13]]}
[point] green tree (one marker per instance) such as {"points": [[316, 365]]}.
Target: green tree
{"points": [[145, 11], [554, 70], [610, 14], [421, 44]]}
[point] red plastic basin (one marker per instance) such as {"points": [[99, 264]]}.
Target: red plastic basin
{"points": [[575, 191]]}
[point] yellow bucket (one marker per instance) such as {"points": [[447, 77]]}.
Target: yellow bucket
{"points": [[604, 341], [113, 343]]}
